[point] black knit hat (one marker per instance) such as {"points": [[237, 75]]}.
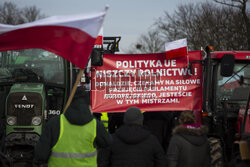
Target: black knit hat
{"points": [[133, 116]]}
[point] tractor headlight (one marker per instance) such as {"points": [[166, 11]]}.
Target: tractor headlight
{"points": [[11, 120], [36, 121]]}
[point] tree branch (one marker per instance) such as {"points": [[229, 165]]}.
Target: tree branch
{"points": [[229, 4]]}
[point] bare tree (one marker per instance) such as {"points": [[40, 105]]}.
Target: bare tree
{"points": [[32, 13], [242, 6], [11, 14], [202, 24], [148, 43], [205, 24]]}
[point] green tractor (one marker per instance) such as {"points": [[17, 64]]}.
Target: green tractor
{"points": [[34, 86]]}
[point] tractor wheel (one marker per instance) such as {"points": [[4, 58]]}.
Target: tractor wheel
{"points": [[216, 152]]}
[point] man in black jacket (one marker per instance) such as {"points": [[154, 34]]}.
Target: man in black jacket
{"points": [[77, 114], [133, 146]]}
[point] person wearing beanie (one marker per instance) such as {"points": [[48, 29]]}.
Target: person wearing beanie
{"points": [[132, 145], [189, 145], [73, 138], [133, 116]]}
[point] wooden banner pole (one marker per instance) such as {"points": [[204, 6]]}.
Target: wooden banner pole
{"points": [[73, 90]]}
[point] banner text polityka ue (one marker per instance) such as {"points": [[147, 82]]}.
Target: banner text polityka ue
{"points": [[148, 81]]}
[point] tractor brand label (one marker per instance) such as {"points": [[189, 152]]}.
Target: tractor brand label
{"points": [[24, 106], [24, 97]]}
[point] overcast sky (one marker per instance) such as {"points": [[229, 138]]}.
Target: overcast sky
{"points": [[126, 18]]}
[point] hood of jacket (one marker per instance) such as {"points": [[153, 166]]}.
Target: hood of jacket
{"points": [[78, 112], [195, 136], [132, 134]]}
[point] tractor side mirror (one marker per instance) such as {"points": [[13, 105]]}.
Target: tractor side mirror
{"points": [[227, 65], [96, 57]]}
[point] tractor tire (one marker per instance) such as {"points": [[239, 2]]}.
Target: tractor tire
{"points": [[216, 152]]}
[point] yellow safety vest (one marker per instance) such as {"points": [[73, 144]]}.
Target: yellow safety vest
{"points": [[74, 147], [105, 120]]}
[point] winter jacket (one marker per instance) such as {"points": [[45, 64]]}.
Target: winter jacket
{"points": [[78, 114], [159, 123], [188, 147], [133, 146]]}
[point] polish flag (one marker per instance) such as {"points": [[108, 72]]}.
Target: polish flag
{"points": [[176, 48], [71, 37], [99, 39]]}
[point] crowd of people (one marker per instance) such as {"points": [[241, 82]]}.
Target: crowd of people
{"points": [[77, 138]]}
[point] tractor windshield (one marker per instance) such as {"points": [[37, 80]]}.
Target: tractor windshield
{"points": [[236, 87], [31, 65]]}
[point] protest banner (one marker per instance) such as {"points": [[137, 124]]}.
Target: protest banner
{"points": [[149, 81]]}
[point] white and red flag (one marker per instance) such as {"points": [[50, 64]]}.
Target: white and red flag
{"points": [[99, 39], [176, 48], [71, 37]]}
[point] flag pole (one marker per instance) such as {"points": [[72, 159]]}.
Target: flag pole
{"points": [[73, 90]]}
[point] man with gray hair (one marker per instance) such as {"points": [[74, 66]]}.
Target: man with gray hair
{"points": [[132, 145]]}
